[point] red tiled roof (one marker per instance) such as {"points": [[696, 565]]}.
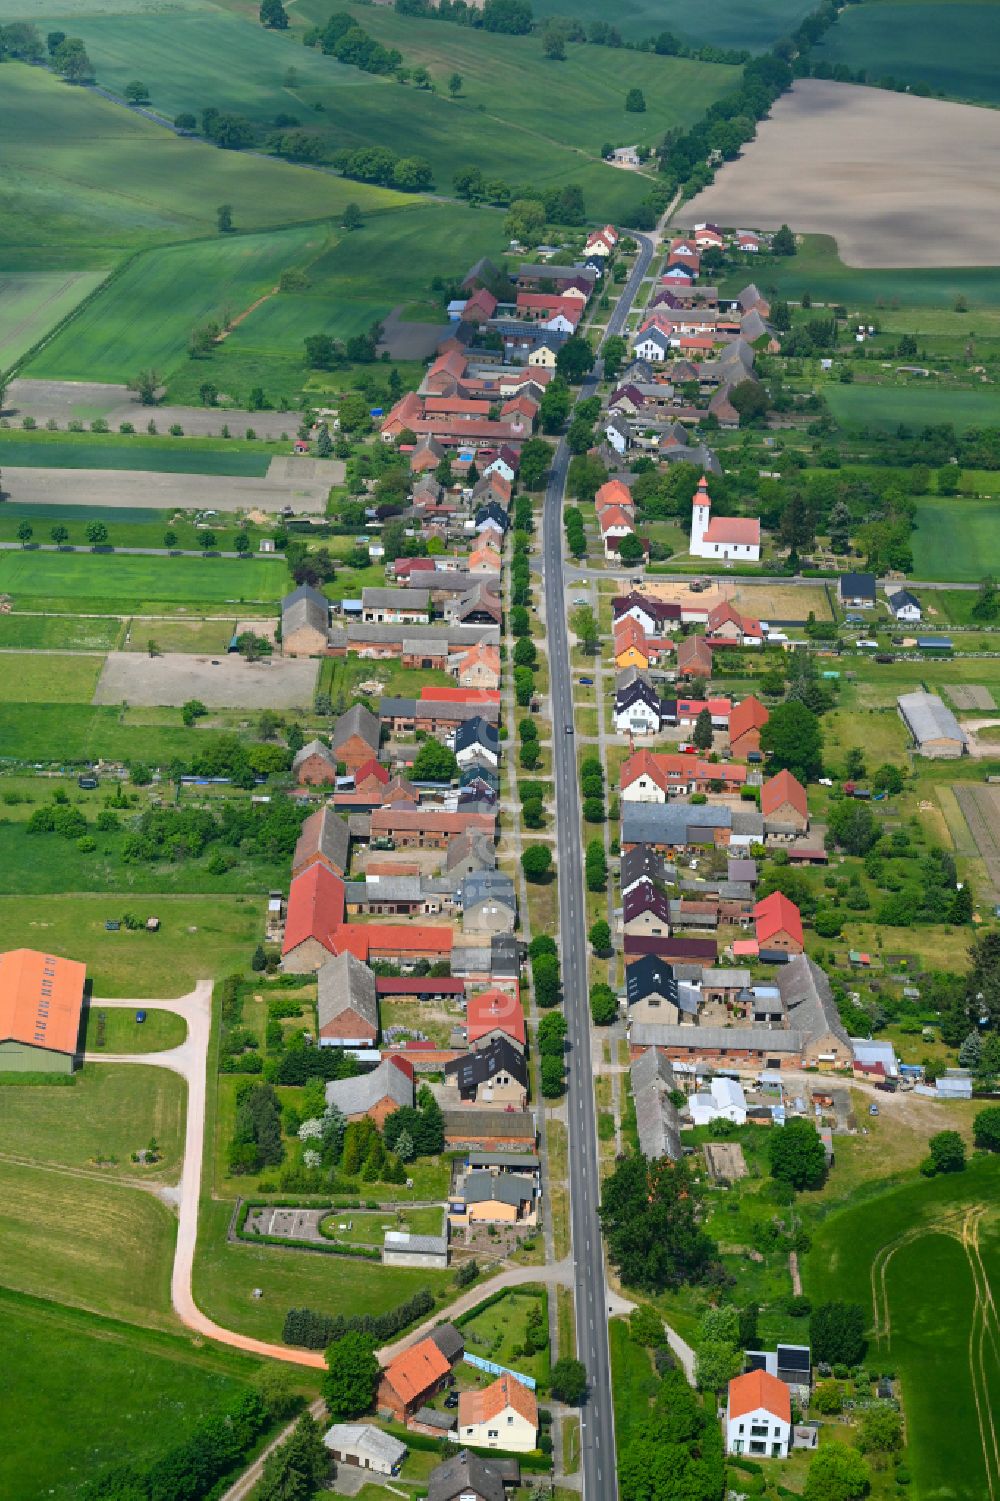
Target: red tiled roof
{"points": [[476, 1407], [41, 998], [461, 695], [494, 1011], [759, 1390], [777, 914], [733, 529], [315, 908], [416, 1371], [750, 714], [407, 938], [374, 769], [783, 788]]}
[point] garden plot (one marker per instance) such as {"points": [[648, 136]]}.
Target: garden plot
{"points": [[66, 400], [970, 696], [226, 682], [126, 488], [980, 807], [897, 180]]}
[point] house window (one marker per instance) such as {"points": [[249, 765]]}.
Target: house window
{"points": [[491, 1432], [757, 1446], [758, 1430]]}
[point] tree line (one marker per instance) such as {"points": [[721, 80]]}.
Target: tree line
{"points": [[304, 1326]]}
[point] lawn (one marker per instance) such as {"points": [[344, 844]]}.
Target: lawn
{"points": [[161, 455], [199, 636], [58, 633], [197, 939], [84, 181], [498, 1334], [339, 676], [91, 1244], [884, 408], [110, 1112], [956, 539], [119, 1032], [351, 1227], [633, 1381], [930, 1341], [75, 734], [32, 302], [148, 312], [817, 269], [116, 577], [48, 679], [154, 1391], [944, 45], [225, 1276]]}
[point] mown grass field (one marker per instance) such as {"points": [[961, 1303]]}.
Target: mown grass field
{"points": [[928, 1341], [197, 939], [956, 539], [886, 407], [39, 451], [83, 181], [33, 302], [72, 734], [148, 312], [123, 1034], [816, 268], [946, 44], [48, 679], [225, 1276], [91, 1244], [58, 633], [117, 578], [154, 1391], [110, 1112]]}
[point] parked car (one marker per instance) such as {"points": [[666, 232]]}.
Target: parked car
{"points": [[873, 1108], [140, 1017]]}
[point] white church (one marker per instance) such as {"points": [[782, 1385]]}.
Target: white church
{"points": [[726, 538]]}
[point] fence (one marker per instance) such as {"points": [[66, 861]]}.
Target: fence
{"points": [[492, 1369]]}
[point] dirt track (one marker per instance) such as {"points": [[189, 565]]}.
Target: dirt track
{"points": [[897, 180]]}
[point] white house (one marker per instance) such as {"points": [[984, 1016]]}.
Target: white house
{"points": [[560, 324], [637, 709], [653, 345], [618, 433], [724, 1101], [731, 538], [758, 1416], [501, 1416], [905, 606]]}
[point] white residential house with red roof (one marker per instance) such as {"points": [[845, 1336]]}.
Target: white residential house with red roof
{"points": [[730, 538], [758, 1416]]}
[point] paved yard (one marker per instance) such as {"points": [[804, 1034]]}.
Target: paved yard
{"points": [[224, 682]]}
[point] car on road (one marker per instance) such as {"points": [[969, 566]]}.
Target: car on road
{"points": [[569, 729]]}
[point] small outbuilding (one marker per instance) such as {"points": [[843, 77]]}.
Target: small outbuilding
{"points": [[935, 730], [365, 1447]]}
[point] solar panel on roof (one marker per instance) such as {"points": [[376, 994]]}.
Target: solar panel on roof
{"points": [[793, 1357]]}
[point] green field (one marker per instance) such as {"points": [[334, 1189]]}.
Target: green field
{"points": [[945, 44], [44, 864], [116, 578], [82, 181], [48, 679], [818, 270], [725, 23], [58, 633], [884, 408], [886, 1255], [956, 539], [123, 1034], [77, 733], [197, 940], [148, 312], [154, 1391], [21, 452], [225, 1276], [91, 1244], [110, 1112], [33, 302]]}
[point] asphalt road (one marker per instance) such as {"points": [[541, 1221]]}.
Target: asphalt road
{"points": [[600, 1481]]}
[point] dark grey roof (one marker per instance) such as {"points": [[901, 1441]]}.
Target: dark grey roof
{"points": [[461, 1474], [373, 598], [324, 832], [657, 1121], [474, 730], [355, 1096], [471, 1125], [473, 1070], [505, 956], [432, 708], [742, 870], [358, 720], [431, 1417], [314, 748], [512, 1161], [639, 691], [901, 598], [528, 271], [808, 1000], [929, 718], [649, 976], [641, 864], [764, 1039], [857, 586], [384, 632], [488, 885], [506, 1188], [304, 606], [449, 1340], [473, 846], [346, 983], [672, 823]]}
